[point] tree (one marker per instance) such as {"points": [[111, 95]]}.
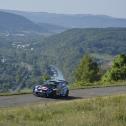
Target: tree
{"points": [[117, 71], [87, 71]]}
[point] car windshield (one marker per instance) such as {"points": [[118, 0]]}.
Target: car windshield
{"points": [[50, 85]]}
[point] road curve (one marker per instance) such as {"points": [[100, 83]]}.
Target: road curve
{"points": [[17, 100]]}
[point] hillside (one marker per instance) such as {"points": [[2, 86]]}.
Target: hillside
{"points": [[73, 20], [66, 49], [98, 40], [13, 23], [52, 28], [30, 56], [19, 67]]}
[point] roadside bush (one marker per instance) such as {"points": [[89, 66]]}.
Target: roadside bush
{"points": [[117, 71]]}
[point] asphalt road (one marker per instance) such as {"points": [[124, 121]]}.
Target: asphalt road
{"points": [[17, 100]]}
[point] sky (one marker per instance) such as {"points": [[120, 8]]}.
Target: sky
{"points": [[115, 8]]}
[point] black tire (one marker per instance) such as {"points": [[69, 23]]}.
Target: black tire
{"points": [[38, 95], [67, 93]]}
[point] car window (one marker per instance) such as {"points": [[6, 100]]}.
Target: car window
{"points": [[50, 85]]}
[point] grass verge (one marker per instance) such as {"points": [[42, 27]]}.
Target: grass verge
{"points": [[100, 111], [21, 92], [80, 85]]}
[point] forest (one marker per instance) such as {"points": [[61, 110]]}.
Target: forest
{"points": [[25, 59]]}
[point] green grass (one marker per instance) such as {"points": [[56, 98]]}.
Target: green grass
{"points": [[82, 85], [100, 111], [21, 92]]}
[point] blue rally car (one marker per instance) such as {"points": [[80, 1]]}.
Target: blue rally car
{"points": [[52, 89]]}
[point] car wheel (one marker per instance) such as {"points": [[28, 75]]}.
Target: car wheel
{"points": [[67, 93]]}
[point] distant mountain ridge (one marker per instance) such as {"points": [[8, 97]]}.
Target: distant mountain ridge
{"points": [[14, 23], [73, 20]]}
